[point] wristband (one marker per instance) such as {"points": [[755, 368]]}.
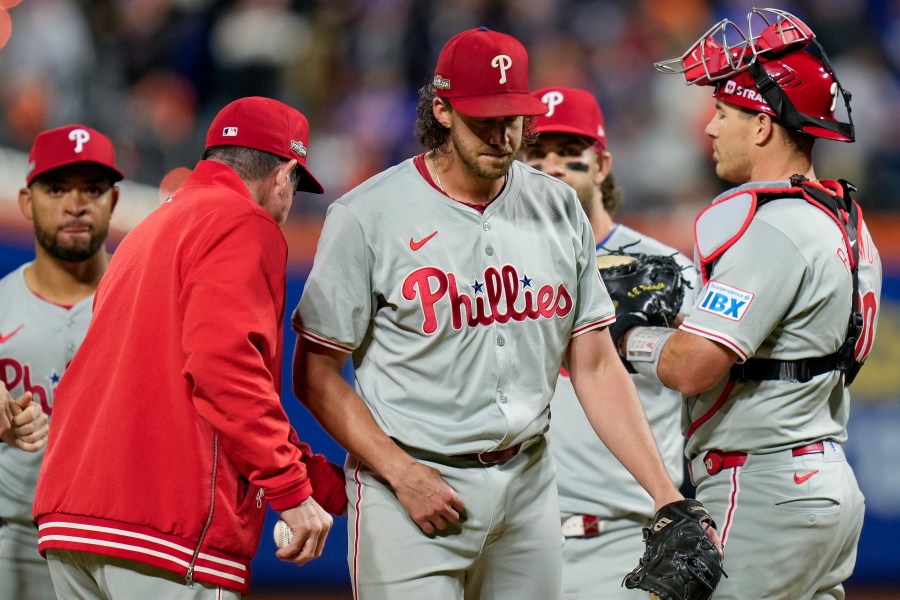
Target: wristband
{"points": [[644, 347]]}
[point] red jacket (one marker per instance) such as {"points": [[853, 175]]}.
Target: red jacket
{"points": [[168, 432]]}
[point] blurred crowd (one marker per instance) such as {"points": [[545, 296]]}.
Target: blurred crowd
{"points": [[152, 73]]}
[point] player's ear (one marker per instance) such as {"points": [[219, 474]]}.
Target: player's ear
{"points": [[604, 166], [114, 190], [25, 203], [441, 112], [283, 176], [765, 128]]}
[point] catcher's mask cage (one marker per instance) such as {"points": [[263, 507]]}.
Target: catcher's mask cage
{"points": [[783, 71]]}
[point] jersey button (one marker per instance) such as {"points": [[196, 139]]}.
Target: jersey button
{"points": [[503, 398], [500, 341], [489, 251], [486, 226]]}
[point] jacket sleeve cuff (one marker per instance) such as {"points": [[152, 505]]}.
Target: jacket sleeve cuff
{"points": [[294, 497], [327, 478]]}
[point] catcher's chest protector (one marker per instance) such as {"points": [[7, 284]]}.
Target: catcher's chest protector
{"points": [[719, 226]]}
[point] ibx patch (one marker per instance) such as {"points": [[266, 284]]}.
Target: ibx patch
{"points": [[725, 301]]}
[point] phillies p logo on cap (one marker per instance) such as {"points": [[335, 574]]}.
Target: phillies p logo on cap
{"points": [[570, 110], [485, 74], [80, 137], [69, 145]]}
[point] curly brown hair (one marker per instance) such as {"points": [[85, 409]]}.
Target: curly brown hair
{"points": [[433, 135]]}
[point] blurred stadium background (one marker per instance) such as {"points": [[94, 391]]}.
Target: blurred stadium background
{"points": [[152, 73]]}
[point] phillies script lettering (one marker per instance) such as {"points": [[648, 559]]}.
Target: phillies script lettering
{"points": [[496, 304], [13, 373]]}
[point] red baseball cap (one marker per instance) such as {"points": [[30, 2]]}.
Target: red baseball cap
{"points": [[571, 111], [485, 74], [70, 145], [268, 125]]}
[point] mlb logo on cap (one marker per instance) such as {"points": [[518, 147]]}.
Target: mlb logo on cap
{"points": [[229, 132], [68, 145], [571, 111], [485, 74]]}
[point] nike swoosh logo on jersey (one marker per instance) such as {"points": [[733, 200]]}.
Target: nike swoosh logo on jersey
{"points": [[414, 245], [7, 337], [798, 479]]}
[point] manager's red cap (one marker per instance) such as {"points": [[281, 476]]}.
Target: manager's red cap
{"points": [[268, 125], [485, 74], [571, 111], [70, 145]]}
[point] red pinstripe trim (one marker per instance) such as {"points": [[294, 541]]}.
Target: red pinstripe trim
{"points": [[716, 338], [722, 398], [356, 530], [595, 325], [732, 504], [325, 342]]}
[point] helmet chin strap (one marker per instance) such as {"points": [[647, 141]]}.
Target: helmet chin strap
{"points": [[788, 115]]}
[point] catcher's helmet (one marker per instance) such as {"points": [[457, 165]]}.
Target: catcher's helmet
{"points": [[782, 72]]}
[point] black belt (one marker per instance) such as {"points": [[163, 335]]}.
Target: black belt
{"points": [[493, 457], [770, 369], [475, 459]]}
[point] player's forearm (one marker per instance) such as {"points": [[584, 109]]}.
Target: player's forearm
{"points": [[319, 385], [612, 406], [611, 403], [692, 364]]}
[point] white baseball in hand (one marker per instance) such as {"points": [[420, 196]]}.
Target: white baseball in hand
{"points": [[283, 534]]}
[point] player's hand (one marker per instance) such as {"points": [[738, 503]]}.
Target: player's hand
{"points": [[309, 524], [29, 424], [431, 503]]}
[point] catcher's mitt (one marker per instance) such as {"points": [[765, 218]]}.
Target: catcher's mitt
{"points": [[646, 289], [680, 561]]}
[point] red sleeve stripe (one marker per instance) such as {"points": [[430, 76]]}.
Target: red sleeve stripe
{"points": [[595, 325], [716, 337], [325, 342]]}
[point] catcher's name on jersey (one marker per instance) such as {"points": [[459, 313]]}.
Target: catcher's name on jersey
{"points": [[457, 320]]}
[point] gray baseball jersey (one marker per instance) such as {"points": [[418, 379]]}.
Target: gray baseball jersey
{"points": [[781, 290], [590, 479], [37, 341], [457, 320]]}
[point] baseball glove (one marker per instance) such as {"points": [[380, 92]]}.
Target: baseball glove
{"points": [[646, 289], [680, 561]]}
